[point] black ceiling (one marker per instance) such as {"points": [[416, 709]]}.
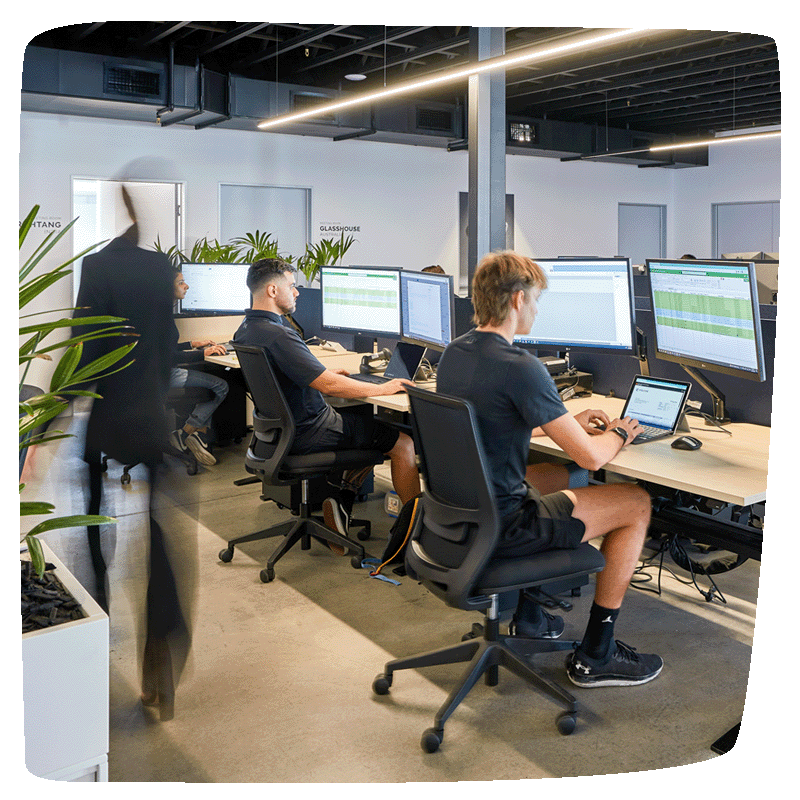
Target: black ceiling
{"points": [[665, 82]]}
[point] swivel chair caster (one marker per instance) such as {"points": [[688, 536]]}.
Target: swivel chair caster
{"points": [[267, 575], [431, 740], [566, 723], [226, 555]]}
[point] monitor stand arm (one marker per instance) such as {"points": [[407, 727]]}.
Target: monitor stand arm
{"points": [[641, 352], [717, 397]]}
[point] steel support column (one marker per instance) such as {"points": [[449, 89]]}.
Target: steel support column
{"points": [[487, 150]]}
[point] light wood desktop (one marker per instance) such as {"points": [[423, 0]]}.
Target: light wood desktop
{"points": [[729, 468]]}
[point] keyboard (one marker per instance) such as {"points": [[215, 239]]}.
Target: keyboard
{"points": [[369, 378], [649, 434]]}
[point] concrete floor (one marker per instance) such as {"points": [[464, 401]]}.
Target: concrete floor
{"points": [[278, 685]]}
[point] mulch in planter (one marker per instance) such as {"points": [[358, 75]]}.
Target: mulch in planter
{"points": [[45, 601]]}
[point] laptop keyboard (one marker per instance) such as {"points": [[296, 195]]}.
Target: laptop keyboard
{"points": [[649, 433], [368, 378]]}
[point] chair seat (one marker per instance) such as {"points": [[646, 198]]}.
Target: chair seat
{"points": [[507, 574], [314, 463]]}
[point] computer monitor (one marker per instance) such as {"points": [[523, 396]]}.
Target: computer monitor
{"points": [[706, 316], [215, 288], [427, 308], [361, 300], [588, 305]]}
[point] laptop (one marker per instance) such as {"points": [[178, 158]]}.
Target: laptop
{"points": [[404, 363], [658, 405]]}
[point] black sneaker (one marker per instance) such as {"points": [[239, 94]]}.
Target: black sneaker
{"points": [[337, 519], [178, 439], [622, 667], [547, 626], [197, 443]]}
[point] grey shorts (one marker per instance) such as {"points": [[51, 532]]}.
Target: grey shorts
{"points": [[542, 522]]}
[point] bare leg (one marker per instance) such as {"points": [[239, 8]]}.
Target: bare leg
{"points": [[621, 513], [547, 478], [405, 476]]}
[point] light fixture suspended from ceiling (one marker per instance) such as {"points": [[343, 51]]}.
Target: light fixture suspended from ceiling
{"points": [[541, 53]]}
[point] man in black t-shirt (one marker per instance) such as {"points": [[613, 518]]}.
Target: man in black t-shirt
{"points": [[304, 379], [514, 397]]}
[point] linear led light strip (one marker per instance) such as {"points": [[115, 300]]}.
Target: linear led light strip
{"points": [[502, 62], [733, 138]]}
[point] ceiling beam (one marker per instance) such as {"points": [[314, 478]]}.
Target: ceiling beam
{"points": [[157, 34], [232, 36], [302, 40]]}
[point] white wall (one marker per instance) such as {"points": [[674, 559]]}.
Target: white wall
{"points": [[403, 198]]}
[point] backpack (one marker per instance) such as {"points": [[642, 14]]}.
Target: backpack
{"points": [[399, 536]]}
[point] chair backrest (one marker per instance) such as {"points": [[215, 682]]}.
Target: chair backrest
{"points": [[273, 423], [458, 529]]}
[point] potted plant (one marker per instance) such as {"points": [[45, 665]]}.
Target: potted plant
{"points": [[66, 732], [325, 252]]}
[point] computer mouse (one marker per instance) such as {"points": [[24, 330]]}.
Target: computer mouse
{"points": [[687, 443]]}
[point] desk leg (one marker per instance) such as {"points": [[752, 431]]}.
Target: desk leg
{"points": [[726, 742]]}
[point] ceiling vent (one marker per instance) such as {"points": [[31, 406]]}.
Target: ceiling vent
{"points": [[131, 81], [304, 101], [435, 120]]}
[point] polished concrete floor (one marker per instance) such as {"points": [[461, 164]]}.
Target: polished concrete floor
{"points": [[277, 688]]}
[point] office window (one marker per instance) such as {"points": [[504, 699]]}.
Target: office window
{"points": [[642, 231], [745, 227], [102, 215], [282, 211]]}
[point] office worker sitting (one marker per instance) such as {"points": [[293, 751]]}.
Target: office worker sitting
{"points": [[194, 433], [304, 379], [514, 398]]}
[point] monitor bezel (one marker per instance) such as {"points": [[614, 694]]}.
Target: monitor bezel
{"points": [[434, 276], [571, 347], [353, 330], [212, 312], [713, 366]]}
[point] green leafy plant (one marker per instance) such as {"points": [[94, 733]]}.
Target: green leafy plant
{"points": [[325, 252], [255, 246], [37, 411]]}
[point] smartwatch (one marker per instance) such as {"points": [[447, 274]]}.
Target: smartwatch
{"points": [[622, 433]]}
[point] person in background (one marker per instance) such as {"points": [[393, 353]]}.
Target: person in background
{"points": [[435, 268], [193, 436], [515, 398]]}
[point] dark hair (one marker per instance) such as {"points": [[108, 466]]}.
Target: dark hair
{"points": [[434, 268], [265, 271], [497, 278]]}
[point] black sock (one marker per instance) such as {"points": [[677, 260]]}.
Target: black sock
{"points": [[599, 632]]}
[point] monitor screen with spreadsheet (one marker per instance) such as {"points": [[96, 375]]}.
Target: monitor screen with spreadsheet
{"points": [[426, 304], [707, 316], [215, 289], [588, 305], [361, 300]]}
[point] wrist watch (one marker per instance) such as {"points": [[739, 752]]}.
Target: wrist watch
{"points": [[621, 432]]}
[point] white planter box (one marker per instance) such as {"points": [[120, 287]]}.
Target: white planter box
{"points": [[65, 691]]}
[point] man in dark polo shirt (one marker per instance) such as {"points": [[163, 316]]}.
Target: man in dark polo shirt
{"points": [[514, 398], [304, 379]]}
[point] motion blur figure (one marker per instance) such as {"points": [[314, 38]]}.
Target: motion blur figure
{"points": [[129, 425]]}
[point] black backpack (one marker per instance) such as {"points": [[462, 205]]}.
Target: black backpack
{"points": [[399, 536]]}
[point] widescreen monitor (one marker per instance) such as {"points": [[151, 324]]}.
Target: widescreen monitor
{"points": [[426, 304], [588, 305], [215, 289], [361, 300], [706, 315]]}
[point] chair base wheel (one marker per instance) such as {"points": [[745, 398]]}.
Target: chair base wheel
{"points": [[355, 562], [125, 479], [362, 536], [431, 740], [381, 684], [566, 723], [267, 575], [226, 555]]}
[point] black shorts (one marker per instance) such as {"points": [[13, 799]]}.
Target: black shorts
{"points": [[354, 430], [543, 522]]}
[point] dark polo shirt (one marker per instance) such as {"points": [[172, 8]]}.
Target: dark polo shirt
{"points": [[295, 368]]}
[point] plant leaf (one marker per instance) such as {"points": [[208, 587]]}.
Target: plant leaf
{"points": [[30, 507], [36, 554], [76, 521]]}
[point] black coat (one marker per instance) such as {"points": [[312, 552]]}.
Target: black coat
{"points": [[123, 280]]}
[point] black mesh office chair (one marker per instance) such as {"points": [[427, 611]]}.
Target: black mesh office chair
{"points": [[450, 553], [268, 458]]}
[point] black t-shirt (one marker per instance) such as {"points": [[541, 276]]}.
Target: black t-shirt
{"points": [[295, 368], [512, 393]]}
